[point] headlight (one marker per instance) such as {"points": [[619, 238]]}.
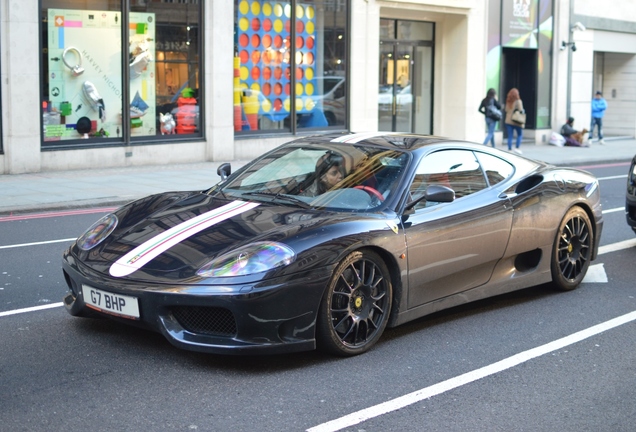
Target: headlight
{"points": [[97, 232], [254, 258]]}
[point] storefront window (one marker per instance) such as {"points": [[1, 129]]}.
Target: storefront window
{"points": [[171, 79], [276, 63], [84, 71]]}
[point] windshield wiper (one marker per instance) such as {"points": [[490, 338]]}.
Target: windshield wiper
{"points": [[217, 190], [280, 197]]}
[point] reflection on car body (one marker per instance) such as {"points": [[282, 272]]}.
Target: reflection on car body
{"points": [[415, 224]]}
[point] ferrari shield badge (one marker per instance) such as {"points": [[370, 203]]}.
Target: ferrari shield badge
{"points": [[393, 226]]}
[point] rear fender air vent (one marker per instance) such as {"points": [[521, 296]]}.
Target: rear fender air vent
{"points": [[528, 260], [528, 183]]}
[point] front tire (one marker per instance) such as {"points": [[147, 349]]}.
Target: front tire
{"points": [[356, 306], [572, 250]]}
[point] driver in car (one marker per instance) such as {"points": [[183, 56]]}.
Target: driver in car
{"points": [[329, 172]]}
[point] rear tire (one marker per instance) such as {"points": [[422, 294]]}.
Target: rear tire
{"points": [[572, 250], [356, 306]]}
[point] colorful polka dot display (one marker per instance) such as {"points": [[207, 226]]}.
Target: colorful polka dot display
{"points": [[264, 51]]}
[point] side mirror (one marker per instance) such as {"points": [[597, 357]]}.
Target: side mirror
{"points": [[439, 193], [224, 170], [433, 193]]}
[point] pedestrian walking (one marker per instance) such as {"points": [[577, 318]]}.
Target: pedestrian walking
{"points": [[491, 109], [599, 105], [515, 118]]}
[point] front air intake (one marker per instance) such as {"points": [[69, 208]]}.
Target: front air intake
{"points": [[211, 321]]}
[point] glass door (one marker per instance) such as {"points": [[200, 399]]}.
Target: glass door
{"points": [[405, 97], [423, 96], [386, 91], [395, 99]]}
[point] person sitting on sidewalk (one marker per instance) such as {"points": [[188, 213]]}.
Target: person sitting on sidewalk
{"points": [[573, 138]]}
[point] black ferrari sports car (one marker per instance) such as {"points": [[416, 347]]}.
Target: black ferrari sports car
{"points": [[327, 240]]}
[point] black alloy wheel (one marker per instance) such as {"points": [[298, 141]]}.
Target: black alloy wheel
{"points": [[356, 306], [572, 250]]}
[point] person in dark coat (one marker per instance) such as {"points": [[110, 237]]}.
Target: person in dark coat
{"points": [[492, 116]]}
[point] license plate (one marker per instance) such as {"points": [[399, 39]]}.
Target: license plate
{"points": [[114, 304]]}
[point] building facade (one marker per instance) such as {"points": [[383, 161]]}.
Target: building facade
{"points": [[109, 83], [605, 60]]}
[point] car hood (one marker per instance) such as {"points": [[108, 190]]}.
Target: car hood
{"points": [[168, 237]]}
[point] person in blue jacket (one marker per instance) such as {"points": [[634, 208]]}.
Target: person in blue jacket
{"points": [[599, 105]]}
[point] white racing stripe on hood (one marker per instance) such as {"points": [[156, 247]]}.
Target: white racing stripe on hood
{"points": [[152, 248], [357, 137]]}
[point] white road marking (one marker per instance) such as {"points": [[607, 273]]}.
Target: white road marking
{"points": [[469, 377], [38, 243], [614, 210], [595, 274], [31, 309], [612, 177], [625, 244]]}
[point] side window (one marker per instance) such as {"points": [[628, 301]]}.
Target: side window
{"points": [[457, 169], [496, 169]]}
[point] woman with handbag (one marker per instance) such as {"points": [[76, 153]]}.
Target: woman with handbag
{"points": [[491, 109], [515, 118]]}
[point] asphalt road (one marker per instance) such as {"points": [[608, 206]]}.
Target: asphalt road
{"points": [[486, 366]]}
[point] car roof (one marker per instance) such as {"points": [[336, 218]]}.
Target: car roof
{"points": [[388, 140], [411, 143]]}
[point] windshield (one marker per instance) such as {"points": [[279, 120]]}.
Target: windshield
{"points": [[333, 177]]}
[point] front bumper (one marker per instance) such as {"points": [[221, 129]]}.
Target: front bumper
{"points": [[268, 317]]}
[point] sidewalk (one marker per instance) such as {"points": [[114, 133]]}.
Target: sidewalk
{"points": [[29, 193]]}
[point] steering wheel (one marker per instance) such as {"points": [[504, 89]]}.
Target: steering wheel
{"points": [[371, 191]]}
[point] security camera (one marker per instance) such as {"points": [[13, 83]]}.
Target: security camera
{"points": [[578, 26], [573, 47], [563, 45]]}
